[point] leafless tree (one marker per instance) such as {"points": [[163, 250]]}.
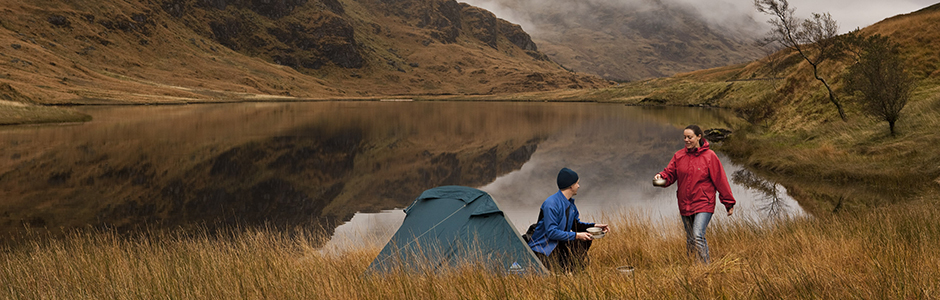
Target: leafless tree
{"points": [[774, 60], [880, 77], [815, 39]]}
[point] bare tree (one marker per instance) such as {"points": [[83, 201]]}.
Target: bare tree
{"points": [[773, 58], [815, 39], [879, 76]]}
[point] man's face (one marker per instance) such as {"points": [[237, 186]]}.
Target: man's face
{"points": [[575, 186]]}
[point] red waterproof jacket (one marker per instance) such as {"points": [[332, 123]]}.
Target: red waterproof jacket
{"points": [[699, 174]]}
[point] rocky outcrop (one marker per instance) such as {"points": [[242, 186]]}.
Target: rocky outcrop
{"points": [[270, 29], [482, 24], [517, 36], [325, 36], [440, 18], [113, 54]]}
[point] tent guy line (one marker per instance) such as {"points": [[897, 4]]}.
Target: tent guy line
{"points": [[429, 230]]}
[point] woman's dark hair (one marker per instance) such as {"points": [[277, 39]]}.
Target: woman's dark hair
{"points": [[698, 132]]}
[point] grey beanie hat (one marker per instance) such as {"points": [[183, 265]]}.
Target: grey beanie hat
{"points": [[566, 178]]}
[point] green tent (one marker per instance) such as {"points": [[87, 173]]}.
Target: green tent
{"points": [[450, 226]]}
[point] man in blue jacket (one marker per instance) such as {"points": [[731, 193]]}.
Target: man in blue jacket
{"points": [[559, 239]]}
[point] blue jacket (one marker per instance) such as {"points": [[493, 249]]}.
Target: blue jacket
{"points": [[557, 216]]}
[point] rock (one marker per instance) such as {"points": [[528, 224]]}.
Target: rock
{"points": [[274, 9], [716, 134], [517, 36], [334, 6], [482, 24], [59, 20]]}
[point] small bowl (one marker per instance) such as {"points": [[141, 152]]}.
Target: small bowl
{"points": [[595, 230], [659, 182], [627, 270]]}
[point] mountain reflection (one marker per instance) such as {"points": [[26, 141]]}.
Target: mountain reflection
{"points": [[287, 164], [314, 165]]}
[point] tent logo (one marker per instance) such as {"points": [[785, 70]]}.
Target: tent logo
{"points": [[516, 268]]}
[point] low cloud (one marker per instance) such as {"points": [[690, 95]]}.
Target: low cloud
{"points": [[721, 14], [736, 15]]}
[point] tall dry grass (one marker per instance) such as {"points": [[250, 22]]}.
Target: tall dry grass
{"points": [[888, 253]]}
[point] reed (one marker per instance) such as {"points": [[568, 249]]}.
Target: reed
{"points": [[885, 253]]}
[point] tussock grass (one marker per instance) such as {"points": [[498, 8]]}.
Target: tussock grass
{"points": [[16, 113], [887, 253]]}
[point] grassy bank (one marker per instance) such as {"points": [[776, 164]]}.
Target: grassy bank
{"points": [[16, 113], [887, 253], [790, 132]]}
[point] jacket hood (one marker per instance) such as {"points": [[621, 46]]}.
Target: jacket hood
{"points": [[700, 149]]}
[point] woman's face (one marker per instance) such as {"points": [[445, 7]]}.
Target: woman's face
{"points": [[691, 140]]}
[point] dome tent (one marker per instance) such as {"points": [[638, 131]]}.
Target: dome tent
{"points": [[450, 226]]}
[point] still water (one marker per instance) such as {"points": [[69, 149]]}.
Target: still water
{"points": [[346, 167]]}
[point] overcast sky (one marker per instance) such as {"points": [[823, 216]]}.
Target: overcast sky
{"points": [[849, 14], [856, 13]]}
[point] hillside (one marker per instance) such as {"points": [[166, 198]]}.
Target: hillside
{"points": [[795, 135], [635, 40], [184, 51]]}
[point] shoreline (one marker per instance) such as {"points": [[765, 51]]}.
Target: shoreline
{"points": [[746, 147], [44, 117]]}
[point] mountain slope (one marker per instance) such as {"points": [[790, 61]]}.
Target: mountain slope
{"points": [[795, 135], [171, 51], [637, 39]]}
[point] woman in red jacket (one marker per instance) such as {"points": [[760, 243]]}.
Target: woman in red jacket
{"points": [[699, 174]]}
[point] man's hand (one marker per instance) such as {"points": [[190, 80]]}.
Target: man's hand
{"points": [[584, 236], [603, 226]]}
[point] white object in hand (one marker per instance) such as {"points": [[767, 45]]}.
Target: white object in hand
{"points": [[659, 182]]}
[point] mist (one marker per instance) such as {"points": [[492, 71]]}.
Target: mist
{"points": [[736, 16]]}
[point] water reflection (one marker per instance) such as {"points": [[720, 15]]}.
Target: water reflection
{"points": [[256, 164], [772, 201], [319, 165], [616, 153]]}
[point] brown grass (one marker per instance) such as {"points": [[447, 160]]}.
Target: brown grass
{"points": [[794, 135], [886, 253], [15, 113]]}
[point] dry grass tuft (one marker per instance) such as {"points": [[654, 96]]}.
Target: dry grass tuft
{"points": [[887, 253]]}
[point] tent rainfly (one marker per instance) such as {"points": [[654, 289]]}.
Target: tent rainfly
{"points": [[451, 226]]}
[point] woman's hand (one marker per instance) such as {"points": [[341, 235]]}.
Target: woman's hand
{"points": [[730, 211], [657, 177]]}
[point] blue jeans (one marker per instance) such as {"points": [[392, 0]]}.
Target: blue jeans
{"points": [[695, 234]]}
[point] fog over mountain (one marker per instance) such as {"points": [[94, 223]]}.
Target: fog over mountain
{"points": [[724, 14], [637, 39]]}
